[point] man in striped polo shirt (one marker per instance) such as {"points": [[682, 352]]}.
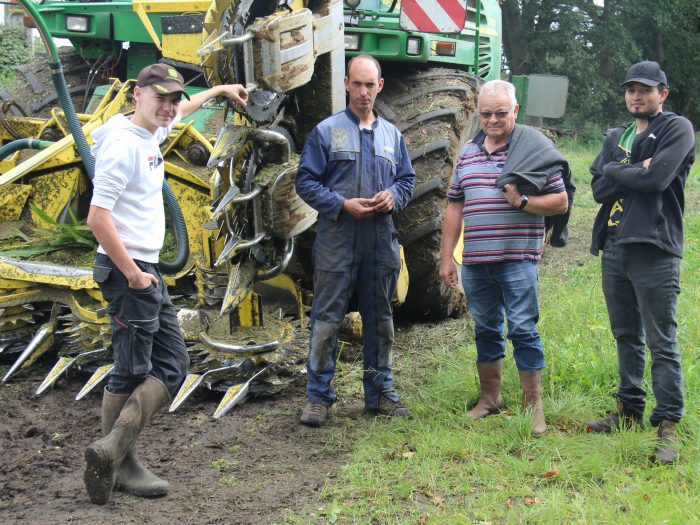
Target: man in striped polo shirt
{"points": [[503, 235]]}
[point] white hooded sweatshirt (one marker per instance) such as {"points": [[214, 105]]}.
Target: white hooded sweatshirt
{"points": [[129, 171]]}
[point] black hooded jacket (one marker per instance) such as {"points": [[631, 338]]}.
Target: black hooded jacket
{"points": [[654, 197]]}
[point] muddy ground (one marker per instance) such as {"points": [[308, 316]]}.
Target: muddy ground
{"points": [[256, 465]]}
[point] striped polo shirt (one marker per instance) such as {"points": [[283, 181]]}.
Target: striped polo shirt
{"points": [[494, 231]]}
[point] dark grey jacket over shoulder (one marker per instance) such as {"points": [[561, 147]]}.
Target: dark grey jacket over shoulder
{"points": [[654, 198], [532, 159]]}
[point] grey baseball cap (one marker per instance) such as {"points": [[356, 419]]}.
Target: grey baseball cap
{"points": [[648, 73]]}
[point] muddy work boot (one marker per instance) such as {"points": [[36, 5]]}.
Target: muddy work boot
{"points": [[667, 449], [104, 457], [133, 476], [531, 384], [388, 407], [490, 381], [314, 414], [622, 418]]}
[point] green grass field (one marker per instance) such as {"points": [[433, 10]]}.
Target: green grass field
{"points": [[441, 468]]}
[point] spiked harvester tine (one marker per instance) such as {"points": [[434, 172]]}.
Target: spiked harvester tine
{"points": [[230, 140], [63, 364], [231, 398], [221, 207], [239, 284], [42, 341], [94, 380], [234, 244], [21, 319], [234, 395], [192, 381], [231, 244], [77, 328]]}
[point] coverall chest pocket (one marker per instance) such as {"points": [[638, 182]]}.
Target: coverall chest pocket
{"points": [[385, 168], [341, 173]]}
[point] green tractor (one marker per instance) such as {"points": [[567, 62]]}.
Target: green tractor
{"points": [[235, 186]]}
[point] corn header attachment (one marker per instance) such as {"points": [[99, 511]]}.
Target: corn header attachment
{"points": [[232, 204]]}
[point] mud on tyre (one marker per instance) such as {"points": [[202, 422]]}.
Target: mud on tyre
{"points": [[33, 88], [435, 109]]}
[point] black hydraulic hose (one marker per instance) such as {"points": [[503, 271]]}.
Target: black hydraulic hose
{"points": [[20, 144], [92, 75], [76, 130]]}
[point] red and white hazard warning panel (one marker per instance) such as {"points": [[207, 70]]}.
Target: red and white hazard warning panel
{"points": [[433, 16]]}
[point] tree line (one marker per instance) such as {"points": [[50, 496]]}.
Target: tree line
{"points": [[594, 42]]}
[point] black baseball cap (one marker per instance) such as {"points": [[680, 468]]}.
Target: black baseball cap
{"points": [[162, 78], [648, 73]]}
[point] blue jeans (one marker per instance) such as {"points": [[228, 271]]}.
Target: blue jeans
{"points": [[332, 293], [506, 289], [641, 287]]}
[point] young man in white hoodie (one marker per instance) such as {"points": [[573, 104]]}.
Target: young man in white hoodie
{"points": [[127, 217]]}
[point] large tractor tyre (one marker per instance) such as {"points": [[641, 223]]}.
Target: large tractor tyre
{"points": [[435, 109], [32, 92]]}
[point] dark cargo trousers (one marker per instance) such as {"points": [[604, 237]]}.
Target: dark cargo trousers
{"points": [[146, 337]]}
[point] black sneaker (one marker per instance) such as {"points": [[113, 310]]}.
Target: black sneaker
{"points": [[390, 408], [314, 414]]}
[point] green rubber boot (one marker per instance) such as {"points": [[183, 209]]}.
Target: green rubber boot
{"points": [[106, 457]]}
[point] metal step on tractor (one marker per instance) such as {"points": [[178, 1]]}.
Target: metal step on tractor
{"points": [[240, 236]]}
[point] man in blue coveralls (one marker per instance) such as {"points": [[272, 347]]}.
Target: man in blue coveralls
{"points": [[356, 172]]}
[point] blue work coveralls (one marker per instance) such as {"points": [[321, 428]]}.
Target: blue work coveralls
{"points": [[341, 161]]}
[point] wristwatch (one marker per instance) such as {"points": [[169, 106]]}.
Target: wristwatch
{"points": [[523, 202]]}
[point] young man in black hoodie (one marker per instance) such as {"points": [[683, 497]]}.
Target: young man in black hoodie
{"points": [[639, 178]]}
